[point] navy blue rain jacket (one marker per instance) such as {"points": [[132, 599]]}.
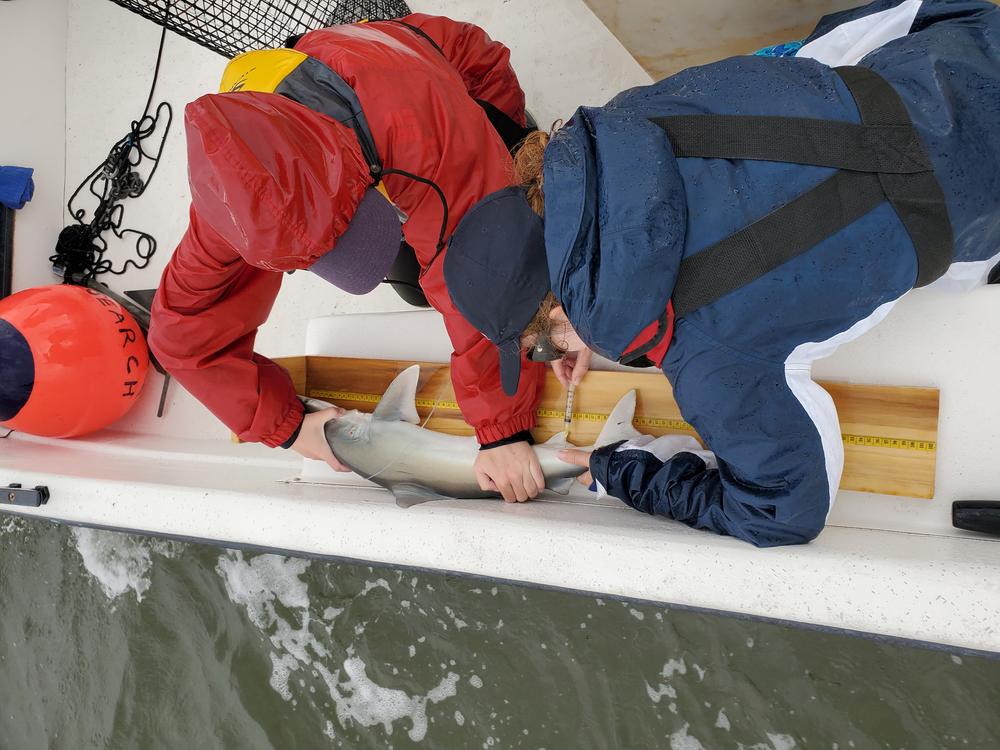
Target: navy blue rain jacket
{"points": [[621, 211]]}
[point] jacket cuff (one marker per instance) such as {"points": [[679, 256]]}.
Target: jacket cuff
{"points": [[491, 433], [295, 436], [289, 426], [524, 436]]}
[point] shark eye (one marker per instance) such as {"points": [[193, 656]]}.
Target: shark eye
{"points": [[354, 432]]}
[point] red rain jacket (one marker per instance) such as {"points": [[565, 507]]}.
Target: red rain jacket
{"points": [[421, 110]]}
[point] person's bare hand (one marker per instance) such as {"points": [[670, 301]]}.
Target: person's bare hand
{"points": [[579, 458], [512, 470], [311, 442], [572, 367]]}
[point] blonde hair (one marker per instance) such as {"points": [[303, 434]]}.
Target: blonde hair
{"points": [[528, 161], [541, 322]]}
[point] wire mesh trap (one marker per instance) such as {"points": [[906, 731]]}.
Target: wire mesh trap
{"points": [[231, 27]]}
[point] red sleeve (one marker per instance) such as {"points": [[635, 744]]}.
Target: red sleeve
{"points": [[483, 64], [475, 372], [205, 318]]}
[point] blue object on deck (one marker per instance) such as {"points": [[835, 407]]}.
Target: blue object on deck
{"points": [[16, 186], [787, 49]]}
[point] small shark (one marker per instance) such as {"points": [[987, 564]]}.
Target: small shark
{"points": [[390, 448]]}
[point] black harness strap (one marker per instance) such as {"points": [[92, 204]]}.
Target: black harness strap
{"points": [[822, 143], [880, 159], [419, 32], [759, 248]]}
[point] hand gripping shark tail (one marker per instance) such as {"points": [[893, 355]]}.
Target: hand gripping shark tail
{"points": [[390, 448]]}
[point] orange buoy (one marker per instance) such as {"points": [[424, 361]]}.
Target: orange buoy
{"points": [[72, 360]]}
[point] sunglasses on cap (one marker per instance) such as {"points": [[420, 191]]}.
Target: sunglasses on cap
{"points": [[545, 349]]}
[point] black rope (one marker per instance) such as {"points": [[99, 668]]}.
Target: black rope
{"points": [[80, 247], [444, 207]]}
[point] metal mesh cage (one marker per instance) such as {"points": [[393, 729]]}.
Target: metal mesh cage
{"points": [[230, 27]]}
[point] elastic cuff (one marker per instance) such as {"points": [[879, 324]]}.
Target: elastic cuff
{"points": [[295, 436], [490, 433], [520, 437], [291, 422]]}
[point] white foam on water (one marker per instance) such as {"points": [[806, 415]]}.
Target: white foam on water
{"points": [[476, 681], [637, 614], [459, 718], [8, 524], [381, 583], [681, 740], [673, 666], [777, 742], [281, 670], [956, 659], [119, 562], [359, 699], [655, 694], [722, 721], [701, 672], [781, 741], [459, 622], [259, 585]]}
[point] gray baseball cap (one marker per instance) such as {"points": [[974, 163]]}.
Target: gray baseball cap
{"points": [[364, 253]]}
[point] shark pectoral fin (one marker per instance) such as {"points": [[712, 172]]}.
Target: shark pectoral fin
{"points": [[562, 486], [408, 495], [619, 425], [399, 402]]}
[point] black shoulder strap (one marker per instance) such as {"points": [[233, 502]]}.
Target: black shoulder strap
{"points": [[419, 32], [880, 159]]}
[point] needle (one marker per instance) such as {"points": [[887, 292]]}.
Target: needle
{"points": [[568, 414]]}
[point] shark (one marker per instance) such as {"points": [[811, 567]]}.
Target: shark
{"points": [[391, 448]]}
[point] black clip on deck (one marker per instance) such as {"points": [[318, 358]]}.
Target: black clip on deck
{"points": [[15, 494]]}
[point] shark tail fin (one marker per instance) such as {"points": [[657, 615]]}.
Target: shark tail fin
{"points": [[399, 402], [619, 427]]}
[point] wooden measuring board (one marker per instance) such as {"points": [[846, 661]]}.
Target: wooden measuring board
{"points": [[889, 432]]}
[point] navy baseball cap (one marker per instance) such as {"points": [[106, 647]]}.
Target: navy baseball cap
{"points": [[497, 274]]}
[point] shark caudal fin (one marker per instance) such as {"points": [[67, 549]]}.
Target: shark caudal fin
{"points": [[399, 402], [619, 425]]}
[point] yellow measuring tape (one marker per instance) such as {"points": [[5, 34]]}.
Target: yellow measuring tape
{"points": [[678, 425]]}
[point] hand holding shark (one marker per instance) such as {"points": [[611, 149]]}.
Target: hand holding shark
{"points": [[390, 448]]}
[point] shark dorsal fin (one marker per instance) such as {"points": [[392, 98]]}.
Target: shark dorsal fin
{"points": [[399, 402], [619, 425]]}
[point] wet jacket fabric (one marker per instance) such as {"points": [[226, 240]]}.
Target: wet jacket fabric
{"points": [[621, 212], [289, 188]]}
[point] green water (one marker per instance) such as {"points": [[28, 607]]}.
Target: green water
{"points": [[113, 641]]}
